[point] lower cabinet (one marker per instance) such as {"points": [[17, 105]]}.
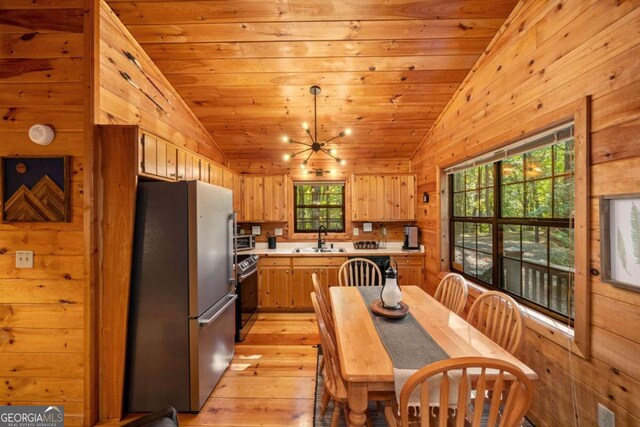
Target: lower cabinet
{"points": [[285, 282], [274, 283], [410, 269], [275, 287]]}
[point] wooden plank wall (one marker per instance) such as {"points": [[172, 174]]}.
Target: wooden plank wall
{"points": [[153, 103], [42, 310], [552, 55]]}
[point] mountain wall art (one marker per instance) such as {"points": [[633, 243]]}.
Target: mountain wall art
{"points": [[35, 189]]}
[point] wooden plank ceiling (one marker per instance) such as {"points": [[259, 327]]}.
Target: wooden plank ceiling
{"points": [[386, 68]]}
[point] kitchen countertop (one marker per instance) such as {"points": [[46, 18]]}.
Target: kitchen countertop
{"points": [[286, 249]]}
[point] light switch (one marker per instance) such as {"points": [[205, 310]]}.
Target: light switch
{"points": [[24, 259]]}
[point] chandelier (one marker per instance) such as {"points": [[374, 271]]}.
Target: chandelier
{"points": [[315, 146]]}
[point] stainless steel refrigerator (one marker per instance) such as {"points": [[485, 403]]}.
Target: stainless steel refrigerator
{"points": [[182, 306]]}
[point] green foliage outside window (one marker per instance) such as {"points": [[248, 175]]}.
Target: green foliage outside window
{"points": [[523, 242], [319, 204]]}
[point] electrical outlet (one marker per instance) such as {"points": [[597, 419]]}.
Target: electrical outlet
{"points": [[24, 259], [356, 231], [606, 417], [256, 230], [367, 227], [278, 231], [384, 231]]}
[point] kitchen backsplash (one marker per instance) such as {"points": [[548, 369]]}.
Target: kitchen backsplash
{"points": [[394, 232]]}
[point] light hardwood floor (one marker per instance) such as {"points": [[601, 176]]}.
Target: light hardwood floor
{"points": [[271, 381]]}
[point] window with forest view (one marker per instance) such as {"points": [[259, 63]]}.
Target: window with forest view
{"points": [[319, 204], [511, 225]]}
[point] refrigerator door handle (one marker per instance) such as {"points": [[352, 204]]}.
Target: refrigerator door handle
{"points": [[218, 313], [234, 258]]}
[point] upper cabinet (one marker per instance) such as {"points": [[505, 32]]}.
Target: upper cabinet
{"points": [[156, 157], [383, 197], [276, 198], [160, 159], [265, 198]]}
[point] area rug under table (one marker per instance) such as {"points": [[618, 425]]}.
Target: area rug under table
{"points": [[377, 417]]}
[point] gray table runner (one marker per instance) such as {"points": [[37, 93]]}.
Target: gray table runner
{"points": [[410, 348], [408, 344]]}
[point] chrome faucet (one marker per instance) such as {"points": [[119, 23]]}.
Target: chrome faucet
{"points": [[320, 241]]}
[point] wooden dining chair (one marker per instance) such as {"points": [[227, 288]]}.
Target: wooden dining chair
{"points": [[321, 292], [499, 317], [324, 309], [334, 387], [451, 383], [359, 272], [452, 292]]}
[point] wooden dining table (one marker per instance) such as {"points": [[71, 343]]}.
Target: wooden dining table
{"points": [[364, 362]]}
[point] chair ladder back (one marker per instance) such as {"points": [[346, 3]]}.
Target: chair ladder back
{"points": [[452, 292], [359, 272]]}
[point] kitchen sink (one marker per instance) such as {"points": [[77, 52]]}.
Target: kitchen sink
{"points": [[317, 250]]}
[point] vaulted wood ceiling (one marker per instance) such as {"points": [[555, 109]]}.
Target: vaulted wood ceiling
{"points": [[386, 68]]}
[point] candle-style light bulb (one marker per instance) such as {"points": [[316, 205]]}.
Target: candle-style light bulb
{"points": [[347, 131], [305, 126], [287, 157], [333, 151], [343, 162], [285, 139], [303, 165]]}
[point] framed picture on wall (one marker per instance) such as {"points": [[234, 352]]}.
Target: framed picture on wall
{"points": [[35, 189], [620, 240]]}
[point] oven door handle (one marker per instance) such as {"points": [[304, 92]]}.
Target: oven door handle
{"points": [[248, 274]]}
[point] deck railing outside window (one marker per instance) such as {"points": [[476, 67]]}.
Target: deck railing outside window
{"points": [[511, 223]]}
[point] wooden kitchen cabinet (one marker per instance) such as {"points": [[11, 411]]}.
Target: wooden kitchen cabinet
{"points": [[236, 186], [205, 171], [215, 176], [181, 164], [274, 283], [156, 157], [191, 166], [253, 198], [276, 199], [285, 282], [172, 158], [383, 197], [301, 283], [302, 286], [264, 198], [410, 269]]}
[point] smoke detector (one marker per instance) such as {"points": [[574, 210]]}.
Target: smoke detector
{"points": [[41, 134]]}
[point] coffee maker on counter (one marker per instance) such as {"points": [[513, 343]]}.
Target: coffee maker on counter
{"points": [[411, 240]]}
